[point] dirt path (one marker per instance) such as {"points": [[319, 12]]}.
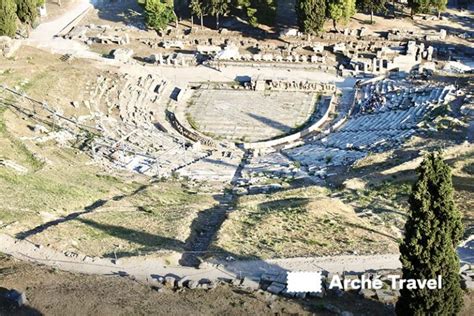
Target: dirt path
{"points": [[46, 31], [43, 37], [148, 268]]}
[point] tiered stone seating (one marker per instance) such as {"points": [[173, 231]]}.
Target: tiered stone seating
{"points": [[386, 95], [386, 126]]}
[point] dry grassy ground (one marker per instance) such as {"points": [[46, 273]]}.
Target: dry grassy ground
{"points": [[300, 222], [66, 201], [126, 216]]}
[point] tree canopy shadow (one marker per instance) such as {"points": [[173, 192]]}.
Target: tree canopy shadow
{"points": [[88, 209], [128, 12], [270, 122]]}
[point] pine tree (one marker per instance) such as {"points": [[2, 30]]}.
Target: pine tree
{"points": [[26, 10], [7, 18], [341, 11], [311, 15], [432, 232]]}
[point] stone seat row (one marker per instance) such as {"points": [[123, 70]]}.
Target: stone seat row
{"points": [[366, 140], [392, 119]]}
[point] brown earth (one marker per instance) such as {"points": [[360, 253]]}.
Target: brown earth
{"points": [[53, 292]]}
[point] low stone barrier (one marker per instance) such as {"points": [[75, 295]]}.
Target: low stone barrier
{"points": [[183, 130]]}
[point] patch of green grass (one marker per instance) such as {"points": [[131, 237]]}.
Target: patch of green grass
{"points": [[19, 147], [43, 192], [146, 218]]}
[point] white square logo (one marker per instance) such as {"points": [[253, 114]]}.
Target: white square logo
{"points": [[304, 282]]}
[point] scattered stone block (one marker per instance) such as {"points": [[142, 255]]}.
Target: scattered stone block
{"points": [[276, 288], [465, 267], [13, 166], [442, 34], [333, 309], [122, 54], [191, 284], [386, 296], [285, 293], [15, 297], [268, 277], [181, 282], [250, 284], [170, 281], [367, 293]]}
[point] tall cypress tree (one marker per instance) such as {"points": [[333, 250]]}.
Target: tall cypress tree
{"points": [[432, 232], [26, 10], [7, 18], [311, 15]]}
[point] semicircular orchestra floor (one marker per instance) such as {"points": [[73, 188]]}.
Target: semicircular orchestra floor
{"points": [[249, 116]]}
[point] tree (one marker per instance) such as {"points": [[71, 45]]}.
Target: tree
{"points": [[432, 232], [427, 6], [197, 8], [26, 10], [252, 16], [265, 10], [311, 15], [419, 6], [341, 11], [439, 5], [7, 18], [218, 8], [255, 11], [372, 6], [158, 13]]}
